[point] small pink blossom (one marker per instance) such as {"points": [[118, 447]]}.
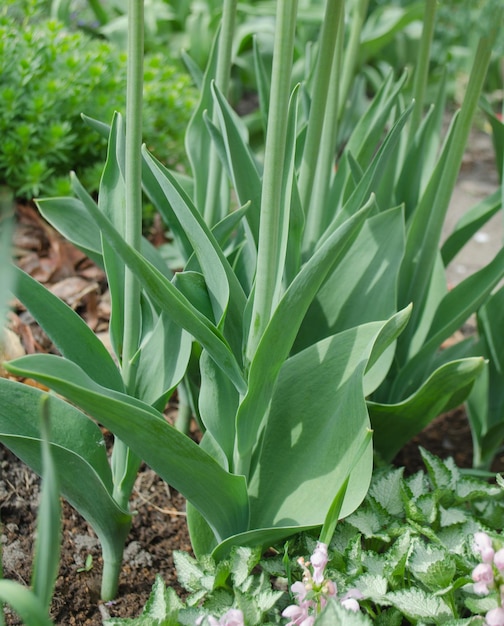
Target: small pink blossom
{"points": [[483, 578], [319, 561], [298, 615], [483, 545], [351, 604], [495, 617], [499, 559], [313, 592], [299, 590]]}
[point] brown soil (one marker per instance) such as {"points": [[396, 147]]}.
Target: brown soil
{"points": [[158, 529]]}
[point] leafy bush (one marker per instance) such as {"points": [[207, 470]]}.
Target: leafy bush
{"points": [[49, 77]]}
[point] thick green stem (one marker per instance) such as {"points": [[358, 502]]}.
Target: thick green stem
{"points": [[316, 217], [213, 211], [422, 67], [269, 229], [352, 52], [112, 554], [123, 461], [133, 184], [328, 41]]}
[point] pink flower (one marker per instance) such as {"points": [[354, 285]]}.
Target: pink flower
{"points": [[483, 545], [483, 577], [299, 590], [499, 559], [319, 561], [495, 617], [298, 615], [350, 604], [349, 600]]}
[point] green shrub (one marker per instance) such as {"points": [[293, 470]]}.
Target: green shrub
{"points": [[49, 77]]}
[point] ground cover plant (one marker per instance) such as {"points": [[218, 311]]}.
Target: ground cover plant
{"points": [[49, 77], [272, 293], [410, 554]]}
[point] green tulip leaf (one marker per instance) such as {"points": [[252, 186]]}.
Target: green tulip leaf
{"points": [[67, 330], [395, 424], [219, 496]]}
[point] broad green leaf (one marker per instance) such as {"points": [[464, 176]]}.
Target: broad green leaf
{"points": [[396, 424], [383, 350], [419, 605], [264, 537], [368, 274], [219, 496], [281, 332], [69, 333], [193, 68], [439, 473], [218, 404], [101, 128], [453, 310], [70, 218], [25, 603], [167, 297], [162, 361], [469, 224], [385, 490], [432, 566], [436, 291], [48, 540], [315, 427], [80, 458], [159, 200]]}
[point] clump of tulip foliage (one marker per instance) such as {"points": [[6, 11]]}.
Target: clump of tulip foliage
{"points": [[302, 324]]}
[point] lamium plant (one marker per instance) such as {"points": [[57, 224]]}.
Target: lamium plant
{"points": [[311, 299]]}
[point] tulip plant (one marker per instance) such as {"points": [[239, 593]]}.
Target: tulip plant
{"points": [[286, 324]]}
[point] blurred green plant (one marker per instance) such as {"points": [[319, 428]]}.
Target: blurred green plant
{"points": [[32, 605], [49, 77]]}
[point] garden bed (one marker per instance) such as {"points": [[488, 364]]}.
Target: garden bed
{"points": [[159, 525]]}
